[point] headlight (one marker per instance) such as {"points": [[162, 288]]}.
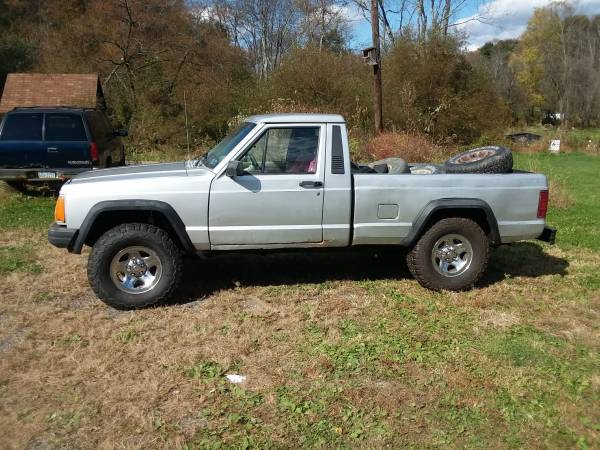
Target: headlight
{"points": [[59, 210]]}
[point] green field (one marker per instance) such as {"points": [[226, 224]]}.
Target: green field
{"points": [[339, 350]]}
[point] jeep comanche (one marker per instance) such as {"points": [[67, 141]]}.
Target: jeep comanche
{"points": [[286, 181]]}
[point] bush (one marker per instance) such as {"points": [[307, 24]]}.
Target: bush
{"points": [[313, 80], [412, 147], [431, 88]]}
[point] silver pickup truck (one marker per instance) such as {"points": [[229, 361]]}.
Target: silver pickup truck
{"points": [[286, 181]]}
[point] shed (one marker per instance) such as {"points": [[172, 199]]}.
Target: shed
{"points": [[43, 89]]}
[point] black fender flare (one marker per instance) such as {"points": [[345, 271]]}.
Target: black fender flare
{"points": [[449, 204], [132, 205]]}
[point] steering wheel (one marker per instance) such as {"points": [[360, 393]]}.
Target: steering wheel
{"points": [[253, 160]]}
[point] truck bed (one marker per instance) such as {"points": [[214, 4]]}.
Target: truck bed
{"points": [[387, 205]]}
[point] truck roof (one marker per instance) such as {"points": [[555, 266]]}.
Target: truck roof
{"points": [[296, 118]]}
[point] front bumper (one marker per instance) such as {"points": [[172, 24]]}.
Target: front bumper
{"points": [[62, 237], [33, 174], [548, 235]]}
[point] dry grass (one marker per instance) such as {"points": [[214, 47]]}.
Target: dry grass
{"points": [[339, 350], [5, 190], [76, 373], [410, 146], [560, 196]]}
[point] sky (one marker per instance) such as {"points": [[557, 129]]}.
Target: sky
{"points": [[501, 19]]}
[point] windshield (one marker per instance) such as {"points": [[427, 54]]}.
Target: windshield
{"points": [[222, 149]]}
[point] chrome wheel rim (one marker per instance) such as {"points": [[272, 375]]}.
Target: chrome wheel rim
{"points": [[136, 270], [452, 255], [474, 156]]}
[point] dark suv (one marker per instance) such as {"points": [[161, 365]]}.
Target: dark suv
{"points": [[46, 144]]}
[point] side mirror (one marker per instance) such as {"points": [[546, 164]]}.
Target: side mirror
{"points": [[234, 169]]}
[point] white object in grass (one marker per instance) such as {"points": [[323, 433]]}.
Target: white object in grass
{"points": [[235, 378]]}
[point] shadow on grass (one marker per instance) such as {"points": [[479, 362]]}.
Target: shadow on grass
{"points": [[231, 270], [49, 189], [522, 259]]}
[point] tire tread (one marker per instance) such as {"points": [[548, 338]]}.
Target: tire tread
{"points": [[418, 258], [123, 231]]}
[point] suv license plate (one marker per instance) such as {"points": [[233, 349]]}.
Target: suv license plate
{"points": [[46, 175]]}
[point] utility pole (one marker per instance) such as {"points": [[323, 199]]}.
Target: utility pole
{"points": [[376, 57]]}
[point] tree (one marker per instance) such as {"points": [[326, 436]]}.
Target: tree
{"points": [[557, 62], [423, 17], [267, 29], [432, 88], [494, 58]]}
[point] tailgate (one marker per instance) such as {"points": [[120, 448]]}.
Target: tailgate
{"points": [[72, 155]]}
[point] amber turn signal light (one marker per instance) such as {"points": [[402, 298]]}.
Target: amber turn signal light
{"points": [[59, 210]]}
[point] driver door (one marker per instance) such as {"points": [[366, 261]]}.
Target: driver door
{"points": [[279, 197]]}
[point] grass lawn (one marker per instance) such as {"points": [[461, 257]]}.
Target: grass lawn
{"points": [[339, 350]]}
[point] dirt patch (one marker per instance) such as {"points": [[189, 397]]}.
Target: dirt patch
{"points": [[498, 319]]}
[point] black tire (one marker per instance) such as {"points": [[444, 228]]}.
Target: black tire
{"points": [[134, 235], [393, 165], [421, 258], [426, 169], [492, 159]]}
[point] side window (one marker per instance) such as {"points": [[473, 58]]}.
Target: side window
{"points": [[22, 127], [65, 127], [252, 161], [284, 150]]}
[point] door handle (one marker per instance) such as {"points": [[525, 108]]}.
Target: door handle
{"points": [[52, 149], [311, 184]]}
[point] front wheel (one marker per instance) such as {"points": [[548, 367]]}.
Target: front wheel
{"points": [[452, 255], [134, 265]]}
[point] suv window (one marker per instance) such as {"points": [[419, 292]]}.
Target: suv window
{"points": [[284, 150], [65, 127], [22, 127]]}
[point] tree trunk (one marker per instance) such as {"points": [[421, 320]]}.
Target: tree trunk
{"points": [[422, 19], [446, 17], [377, 90]]}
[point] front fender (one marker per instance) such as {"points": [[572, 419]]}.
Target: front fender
{"points": [[132, 205]]}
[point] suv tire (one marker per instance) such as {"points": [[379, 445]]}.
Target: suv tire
{"points": [[135, 265], [452, 255]]}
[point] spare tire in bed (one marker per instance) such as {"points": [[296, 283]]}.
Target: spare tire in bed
{"points": [[491, 159], [426, 169], [394, 165]]}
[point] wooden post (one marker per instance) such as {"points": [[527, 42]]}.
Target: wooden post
{"points": [[377, 90]]}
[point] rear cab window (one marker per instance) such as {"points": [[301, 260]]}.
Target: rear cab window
{"points": [[22, 127], [65, 127]]}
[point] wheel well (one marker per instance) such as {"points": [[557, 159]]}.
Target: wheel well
{"points": [[110, 219], [477, 215]]}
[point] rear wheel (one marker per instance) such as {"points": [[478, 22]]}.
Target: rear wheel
{"points": [[134, 265], [452, 255]]}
